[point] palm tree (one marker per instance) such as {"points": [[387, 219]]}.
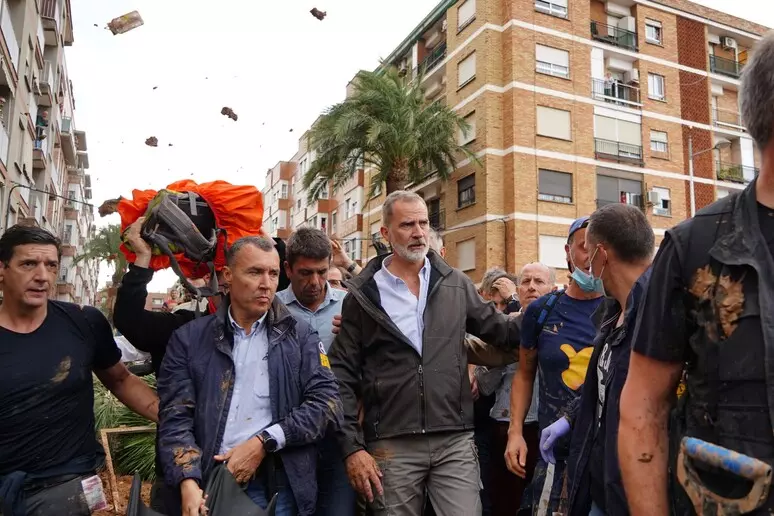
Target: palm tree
{"points": [[105, 247], [387, 124]]}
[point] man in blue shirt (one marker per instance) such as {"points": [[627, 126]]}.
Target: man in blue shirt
{"points": [[557, 336], [311, 299]]}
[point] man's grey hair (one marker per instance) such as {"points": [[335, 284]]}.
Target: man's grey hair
{"points": [[308, 242], [398, 195], [436, 241], [262, 243], [756, 96], [490, 276], [551, 272], [632, 245]]}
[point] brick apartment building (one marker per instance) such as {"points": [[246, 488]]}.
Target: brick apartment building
{"points": [[43, 157], [573, 104]]}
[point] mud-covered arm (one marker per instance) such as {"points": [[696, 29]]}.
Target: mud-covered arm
{"points": [[180, 455]]}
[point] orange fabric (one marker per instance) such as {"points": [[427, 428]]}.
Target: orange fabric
{"points": [[237, 209]]}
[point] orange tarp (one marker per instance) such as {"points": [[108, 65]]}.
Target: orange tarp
{"points": [[237, 209]]}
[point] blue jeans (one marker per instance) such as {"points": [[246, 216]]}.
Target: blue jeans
{"points": [[286, 504], [335, 496]]}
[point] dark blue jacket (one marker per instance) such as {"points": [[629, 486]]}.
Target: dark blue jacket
{"points": [[582, 413], [196, 383]]}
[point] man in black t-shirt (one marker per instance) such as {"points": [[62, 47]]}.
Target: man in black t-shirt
{"points": [[48, 351], [708, 311]]}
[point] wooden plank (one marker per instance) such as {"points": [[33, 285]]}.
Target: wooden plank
{"points": [[109, 458]]}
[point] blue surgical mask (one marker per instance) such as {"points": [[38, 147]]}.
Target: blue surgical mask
{"points": [[586, 280]]}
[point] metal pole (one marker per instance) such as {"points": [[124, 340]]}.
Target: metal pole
{"points": [[690, 175], [8, 206]]}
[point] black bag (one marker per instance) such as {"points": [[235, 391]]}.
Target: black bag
{"points": [[225, 497], [136, 507]]}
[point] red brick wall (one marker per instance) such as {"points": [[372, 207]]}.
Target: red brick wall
{"points": [[695, 106]]}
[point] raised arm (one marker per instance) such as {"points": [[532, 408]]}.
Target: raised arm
{"points": [[485, 322]]}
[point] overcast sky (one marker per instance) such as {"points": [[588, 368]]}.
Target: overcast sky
{"points": [[273, 63]]}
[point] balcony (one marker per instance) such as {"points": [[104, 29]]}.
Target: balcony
{"points": [[618, 151], [68, 141], [4, 144], [615, 92], [39, 152], [438, 219], [611, 35], [433, 59], [724, 66], [51, 15], [725, 118], [9, 35], [735, 173]]}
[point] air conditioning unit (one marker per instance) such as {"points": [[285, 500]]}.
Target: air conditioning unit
{"points": [[728, 43], [632, 75], [654, 198]]}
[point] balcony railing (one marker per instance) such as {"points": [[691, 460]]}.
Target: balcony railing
{"points": [[438, 219], [725, 66], [726, 117], [615, 92], [9, 34], [614, 36], [433, 59], [735, 173], [618, 151]]}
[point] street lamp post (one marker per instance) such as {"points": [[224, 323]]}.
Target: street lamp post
{"points": [[721, 143]]}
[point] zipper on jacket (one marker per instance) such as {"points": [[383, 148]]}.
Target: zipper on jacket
{"points": [[422, 395]]}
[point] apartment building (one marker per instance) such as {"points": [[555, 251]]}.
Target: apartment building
{"points": [[43, 157], [574, 104]]}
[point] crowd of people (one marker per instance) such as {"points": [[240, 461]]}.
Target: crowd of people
{"points": [[641, 387]]}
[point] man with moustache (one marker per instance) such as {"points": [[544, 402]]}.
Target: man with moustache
{"points": [[401, 351]]}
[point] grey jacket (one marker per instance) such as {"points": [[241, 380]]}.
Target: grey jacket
{"points": [[404, 393]]}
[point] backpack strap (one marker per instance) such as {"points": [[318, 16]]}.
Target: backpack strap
{"points": [[546, 307]]}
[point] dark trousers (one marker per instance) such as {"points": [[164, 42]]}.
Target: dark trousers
{"points": [[63, 495], [507, 488]]}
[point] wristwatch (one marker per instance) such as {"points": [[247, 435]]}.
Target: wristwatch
{"points": [[352, 267], [269, 443]]}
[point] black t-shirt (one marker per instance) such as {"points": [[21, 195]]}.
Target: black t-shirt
{"points": [[660, 332], [597, 456], [46, 391]]}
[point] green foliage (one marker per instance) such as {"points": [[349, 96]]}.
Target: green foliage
{"points": [[105, 247], [386, 124], [132, 453]]}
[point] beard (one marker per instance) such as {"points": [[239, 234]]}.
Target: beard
{"points": [[410, 255]]}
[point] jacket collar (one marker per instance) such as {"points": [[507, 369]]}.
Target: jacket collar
{"points": [[278, 317], [437, 264]]}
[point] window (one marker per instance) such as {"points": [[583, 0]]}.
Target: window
{"points": [[663, 206], [659, 143], [466, 70], [613, 189], [298, 204], [323, 193], [552, 61], [551, 251], [553, 123], [354, 208], [653, 31], [284, 191], [468, 135], [376, 186], [617, 137], [466, 255], [333, 223], [274, 197], [721, 193], [347, 208], [466, 191], [553, 7], [274, 224], [656, 89], [555, 186], [324, 224], [466, 13]]}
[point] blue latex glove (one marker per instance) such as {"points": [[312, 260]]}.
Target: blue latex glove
{"points": [[549, 436]]}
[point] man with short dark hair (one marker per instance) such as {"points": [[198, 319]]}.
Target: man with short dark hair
{"points": [[48, 351], [311, 299], [249, 386], [620, 259]]}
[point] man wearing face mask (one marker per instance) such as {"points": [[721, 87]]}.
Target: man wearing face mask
{"points": [[622, 260], [556, 337]]}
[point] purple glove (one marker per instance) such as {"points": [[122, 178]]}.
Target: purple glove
{"points": [[548, 437]]}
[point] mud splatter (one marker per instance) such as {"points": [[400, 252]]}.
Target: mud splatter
{"points": [[730, 300], [63, 371], [703, 283], [185, 457], [382, 454], [645, 457], [225, 383]]}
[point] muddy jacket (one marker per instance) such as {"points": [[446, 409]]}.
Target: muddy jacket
{"points": [[728, 275], [404, 393], [197, 381], [582, 412]]}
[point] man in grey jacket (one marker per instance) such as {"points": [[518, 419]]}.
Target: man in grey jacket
{"points": [[401, 352]]}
